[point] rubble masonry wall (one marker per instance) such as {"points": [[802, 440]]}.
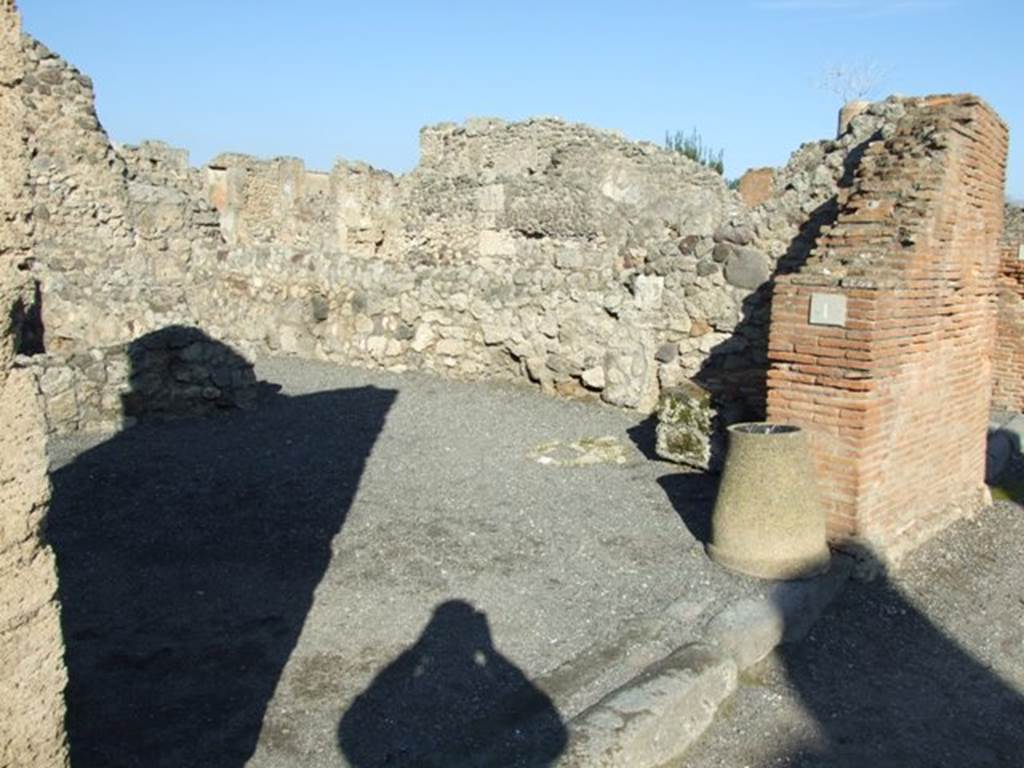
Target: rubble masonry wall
{"points": [[32, 673]]}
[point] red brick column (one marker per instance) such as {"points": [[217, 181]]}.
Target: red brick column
{"points": [[895, 396], [1008, 358]]}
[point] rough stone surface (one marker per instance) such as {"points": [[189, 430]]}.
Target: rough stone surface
{"points": [[656, 716], [757, 186], [849, 111], [32, 674], [747, 268], [686, 432], [543, 251], [750, 629]]}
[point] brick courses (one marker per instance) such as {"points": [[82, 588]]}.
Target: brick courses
{"points": [[1008, 358], [896, 402]]}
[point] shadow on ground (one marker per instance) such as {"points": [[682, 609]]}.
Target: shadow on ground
{"points": [[889, 688], [1004, 464], [881, 683], [645, 437], [693, 497], [188, 553], [452, 699], [691, 492]]}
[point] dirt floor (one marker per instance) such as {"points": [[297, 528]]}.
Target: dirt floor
{"points": [[367, 570], [922, 668], [389, 570]]}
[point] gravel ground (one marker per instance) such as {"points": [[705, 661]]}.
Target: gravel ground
{"points": [[367, 568], [923, 668]]}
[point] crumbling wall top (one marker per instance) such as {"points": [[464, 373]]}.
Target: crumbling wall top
{"points": [[898, 194], [494, 148]]}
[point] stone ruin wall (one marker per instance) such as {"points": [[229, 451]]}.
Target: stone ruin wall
{"points": [[111, 251], [32, 673], [593, 266], [543, 251], [896, 396], [539, 250], [590, 265], [547, 251], [1008, 359]]}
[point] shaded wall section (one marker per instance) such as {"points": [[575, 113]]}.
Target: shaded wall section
{"points": [[32, 675], [881, 344], [189, 552]]}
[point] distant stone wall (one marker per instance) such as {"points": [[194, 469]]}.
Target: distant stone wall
{"points": [[111, 249], [174, 372], [895, 394], [539, 251], [277, 201], [543, 250], [1008, 358], [32, 673]]}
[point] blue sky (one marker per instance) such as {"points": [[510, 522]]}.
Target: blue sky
{"points": [[321, 79]]}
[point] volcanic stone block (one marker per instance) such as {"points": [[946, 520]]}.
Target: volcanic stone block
{"points": [[686, 426], [747, 268]]}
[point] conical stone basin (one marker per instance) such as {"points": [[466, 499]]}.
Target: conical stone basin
{"points": [[768, 519]]}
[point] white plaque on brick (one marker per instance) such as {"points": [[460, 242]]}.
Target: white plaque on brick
{"points": [[1020, 252], [828, 309]]}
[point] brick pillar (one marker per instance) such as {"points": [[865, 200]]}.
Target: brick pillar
{"points": [[1008, 358], [881, 345]]}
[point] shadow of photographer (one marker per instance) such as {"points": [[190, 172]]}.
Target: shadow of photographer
{"points": [[452, 699]]}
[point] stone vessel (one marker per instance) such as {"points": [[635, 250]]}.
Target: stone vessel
{"points": [[768, 519]]}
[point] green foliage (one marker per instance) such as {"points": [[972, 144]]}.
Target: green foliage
{"points": [[693, 147]]}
